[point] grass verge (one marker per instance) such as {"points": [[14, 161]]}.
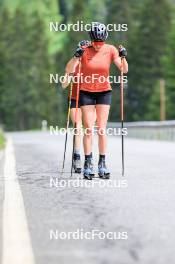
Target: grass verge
{"points": [[2, 139]]}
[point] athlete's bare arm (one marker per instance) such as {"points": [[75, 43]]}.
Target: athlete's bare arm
{"points": [[118, 63], [71, 65], [65, 81], [70, 68], [121, 53]]}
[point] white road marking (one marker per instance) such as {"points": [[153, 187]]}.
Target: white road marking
{"points": [[17, 247]]}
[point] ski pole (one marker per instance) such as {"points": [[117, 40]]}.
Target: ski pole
{"points": [[122, 114], [67, 123], [76, 114]]}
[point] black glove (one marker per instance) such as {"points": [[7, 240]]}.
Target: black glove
{"points": [[79, 52], [122, 52], [84, 44]]}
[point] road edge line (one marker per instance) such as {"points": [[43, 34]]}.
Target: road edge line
{"points": [[17, 247]]}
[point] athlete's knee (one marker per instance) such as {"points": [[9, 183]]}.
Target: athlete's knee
{"points": [[78, 132], [88, 131], [101, 131], [79, 126]]}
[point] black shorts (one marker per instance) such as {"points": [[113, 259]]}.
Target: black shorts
{"points": [[95, 98], [73, 104]]}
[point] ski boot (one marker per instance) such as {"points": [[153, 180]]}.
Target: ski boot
{"points": [[88, 169], [77, 163], [103, 172]]}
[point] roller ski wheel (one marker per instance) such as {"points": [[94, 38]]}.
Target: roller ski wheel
{"points": [[88, 170], [103, 172], [77, 164]]}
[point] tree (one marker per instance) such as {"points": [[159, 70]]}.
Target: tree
{"points": [[149, 47], [62, 7], [4, 43], [26, 98], [169, 73], [122, 15]]}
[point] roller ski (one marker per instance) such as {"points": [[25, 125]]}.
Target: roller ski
{"points": [[77, 163], [103, 172], [88, 169]]}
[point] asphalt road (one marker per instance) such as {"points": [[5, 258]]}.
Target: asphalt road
{"points": [[140, 208]]}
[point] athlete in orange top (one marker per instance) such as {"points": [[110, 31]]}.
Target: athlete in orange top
{"points": [[95, 95], [96, 63], [72, 72]]}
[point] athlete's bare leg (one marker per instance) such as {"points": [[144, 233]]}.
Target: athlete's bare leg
{"points": [[89, 116], [102, 112], [78, 126]]}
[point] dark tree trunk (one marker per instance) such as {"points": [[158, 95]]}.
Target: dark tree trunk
{"points": [[62, 6]]}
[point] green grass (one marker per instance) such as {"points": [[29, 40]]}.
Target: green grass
{"points": [[2, 140]]}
